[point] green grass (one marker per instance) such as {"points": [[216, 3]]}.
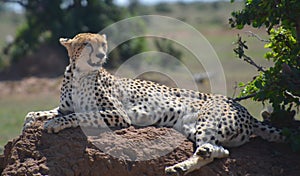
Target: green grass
{"points": [[13, 109]]}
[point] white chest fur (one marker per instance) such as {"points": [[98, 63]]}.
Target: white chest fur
{"points": [[83, 93]]}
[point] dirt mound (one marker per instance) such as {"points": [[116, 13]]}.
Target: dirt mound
{"points": [[133, 151]]}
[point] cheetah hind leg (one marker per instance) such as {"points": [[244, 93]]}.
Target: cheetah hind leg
{"points": [[203, 155]]}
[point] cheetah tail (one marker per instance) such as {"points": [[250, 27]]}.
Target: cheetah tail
{"points": [[268, 132]]}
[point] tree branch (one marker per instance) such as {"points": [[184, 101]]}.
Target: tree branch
{"points": [[241, 54], [234, 89], [251, 34], [289, 94], [15, 1], [245, 97], [251, 62]]}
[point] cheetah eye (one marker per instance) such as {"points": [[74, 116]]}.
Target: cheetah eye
{"points": [[103, 45]]}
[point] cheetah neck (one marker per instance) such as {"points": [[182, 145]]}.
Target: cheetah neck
{"points": [[80, 73]]}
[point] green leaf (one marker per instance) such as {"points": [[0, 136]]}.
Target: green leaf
{"points": [[258, 84], [241, 84]]}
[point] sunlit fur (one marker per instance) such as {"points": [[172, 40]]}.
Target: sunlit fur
{"points": [[86, 52]]}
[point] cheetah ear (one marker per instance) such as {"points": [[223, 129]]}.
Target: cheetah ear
{"points": [[66, 42], [104, 36]]}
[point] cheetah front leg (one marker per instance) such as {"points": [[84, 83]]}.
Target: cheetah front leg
{"points": [[65, 106], [89, 119], [32, 117]]}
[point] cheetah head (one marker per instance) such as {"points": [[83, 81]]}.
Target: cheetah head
{"points": [[87, 51]]}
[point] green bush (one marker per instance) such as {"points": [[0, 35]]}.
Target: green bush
{"points": [[279, 84]]}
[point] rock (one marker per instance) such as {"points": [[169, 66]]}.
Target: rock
{"points": [[133, 151]]}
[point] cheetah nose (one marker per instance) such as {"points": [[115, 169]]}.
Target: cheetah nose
{"points": [[100, 55]]}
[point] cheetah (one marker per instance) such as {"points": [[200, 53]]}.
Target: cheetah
{"points": [[90, 96]]}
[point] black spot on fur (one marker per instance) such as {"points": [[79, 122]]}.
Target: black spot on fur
{"points": [[106, 122], [165, 118]]}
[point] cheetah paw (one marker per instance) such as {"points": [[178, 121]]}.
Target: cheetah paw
{"points": [[204, 152], [207, 151], [175, 170], [184, 167], [53, 126], [30, 118]]}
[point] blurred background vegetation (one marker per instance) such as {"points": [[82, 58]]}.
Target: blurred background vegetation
{"points": [[32, 61]]}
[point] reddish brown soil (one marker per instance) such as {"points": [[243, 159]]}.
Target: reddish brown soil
{"points": [[71, 152]]}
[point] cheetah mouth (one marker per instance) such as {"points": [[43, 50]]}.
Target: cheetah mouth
{"points": [[94, 64], [100, 57]]}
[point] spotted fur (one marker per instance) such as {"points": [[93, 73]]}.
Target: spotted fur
{"points": [[90, 96]]}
